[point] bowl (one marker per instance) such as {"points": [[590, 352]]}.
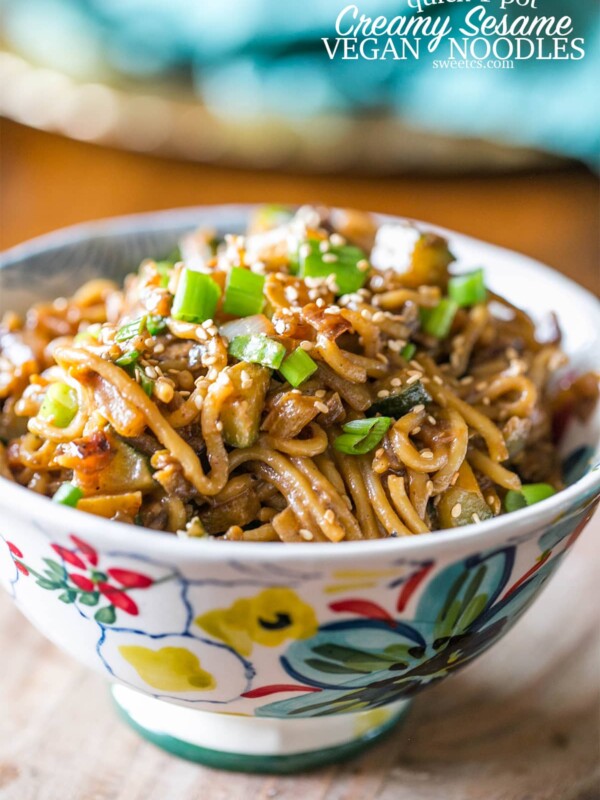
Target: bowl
{"points": [[270, 657]]}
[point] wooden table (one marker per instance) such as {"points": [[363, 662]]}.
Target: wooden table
{"points": [[522, 722]]}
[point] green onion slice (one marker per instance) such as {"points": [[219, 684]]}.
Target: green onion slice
{"points": [[144, 381], [243, 293], [342, 262], [258, 349], [60, 405], [297, 367], [196, 297], [408, 351], [164, 269], [362, 435], [127, 359], [91, 332], [529, 495], [67, 495], [155, 324], [468, 289], [133, 328], [438, 321]]}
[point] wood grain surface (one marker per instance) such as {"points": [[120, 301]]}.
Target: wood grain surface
{"points": [[522, 723]]}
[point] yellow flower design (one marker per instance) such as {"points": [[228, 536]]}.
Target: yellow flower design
{"points": [[170, 669], [269, 618]]}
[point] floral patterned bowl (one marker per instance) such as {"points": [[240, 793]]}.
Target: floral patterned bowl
{"points": [[270, 657]]}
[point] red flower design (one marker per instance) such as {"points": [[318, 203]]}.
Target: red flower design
{"points": [[87, 550], [14, 550], [83, 583], [69, 556], [118, 598], [365, 608], [22, 568], [132, 580]]}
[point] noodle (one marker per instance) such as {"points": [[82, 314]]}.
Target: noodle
{"points": [[340, 408]]}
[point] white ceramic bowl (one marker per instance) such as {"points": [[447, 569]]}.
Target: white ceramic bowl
{"points": [[266, 656]]}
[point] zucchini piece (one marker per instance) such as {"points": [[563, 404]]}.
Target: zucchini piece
{"points": [[456, 508], [399, 404], [242, 411]]}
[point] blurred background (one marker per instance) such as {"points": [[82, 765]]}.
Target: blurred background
{"points": [[118, 106]]}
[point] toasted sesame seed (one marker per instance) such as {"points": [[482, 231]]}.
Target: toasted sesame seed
{"points": [[431, 420], [416, 430], [454, 478], [151, 373], [413, 379], [490, 499], [329, 258], [481, 386], [219, 426], [208, 361], [304, 250], [329, 515], [475, 517], [363, 265], [383, 393], [486, 401], [322, 407], [159, 348], [199, 401], [466, 381], [438, 380], [429, 486], [324, 246], [426, 454], [456, 511], [419, 408], [320, 393], [164, 391], [320, 302], [307, 535], [379, 453], [366, 314], [337, 240], [208, 323], [396, 382], [378, 316]]}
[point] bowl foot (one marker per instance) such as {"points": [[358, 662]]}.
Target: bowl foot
{"points": [[254, 744]]}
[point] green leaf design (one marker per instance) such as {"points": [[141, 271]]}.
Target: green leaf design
{"points": [[54, 569], [68, 596], [333, 669], [89, 598], [46, 584], [99, 577], [106, 615]]}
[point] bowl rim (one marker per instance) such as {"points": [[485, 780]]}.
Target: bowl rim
{"points": [[119, 534]]}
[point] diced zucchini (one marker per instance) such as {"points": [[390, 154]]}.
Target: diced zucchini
{"points": [[399, 404], [458, 507], [241, 411]]}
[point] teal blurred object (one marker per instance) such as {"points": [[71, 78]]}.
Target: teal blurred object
{"points": [[249, 58]]}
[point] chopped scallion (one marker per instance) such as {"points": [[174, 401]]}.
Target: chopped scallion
{"points": [[408, 351], [340, 261], [243, 293], [164, 269], [258, 349], [362, 435], [438, 321], [144, 381], [468, 289], [297, 367], [67, 495], [155, 324], [529, 495], [196, 297], [133, 328], [127, 359], [60, 405]]}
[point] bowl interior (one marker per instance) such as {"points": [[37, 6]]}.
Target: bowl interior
{"points": [[54, 265]]}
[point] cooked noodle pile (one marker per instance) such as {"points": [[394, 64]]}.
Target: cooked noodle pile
{"points": [[317, 379]]}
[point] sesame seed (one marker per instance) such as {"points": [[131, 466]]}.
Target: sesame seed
{"points": [[151, 373], [481, 386], [324, 246], [412, 379], [208, 323], [431, 420], [159, 348], [383, 393], [329, 515], [486, 401], [490, 499], [149, 342], [379, 453], [322, 407], [466, 381], [219, 426], [329, 258], [337, 240], [304, 250], [426, 454], [306, 534], [419, 408], [456, 511], [454, 478], [207, 361], [363, 265], [475, 517], [320, 393], [306, 345], [438, 380], [198, 401], [429, 486], [416, 430], [201, 333], [295, 391], [396, 382], [378, 316], [366, 314], [320, 302]]}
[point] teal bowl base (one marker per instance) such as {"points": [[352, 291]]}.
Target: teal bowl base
{"points": [[254, 744]]}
